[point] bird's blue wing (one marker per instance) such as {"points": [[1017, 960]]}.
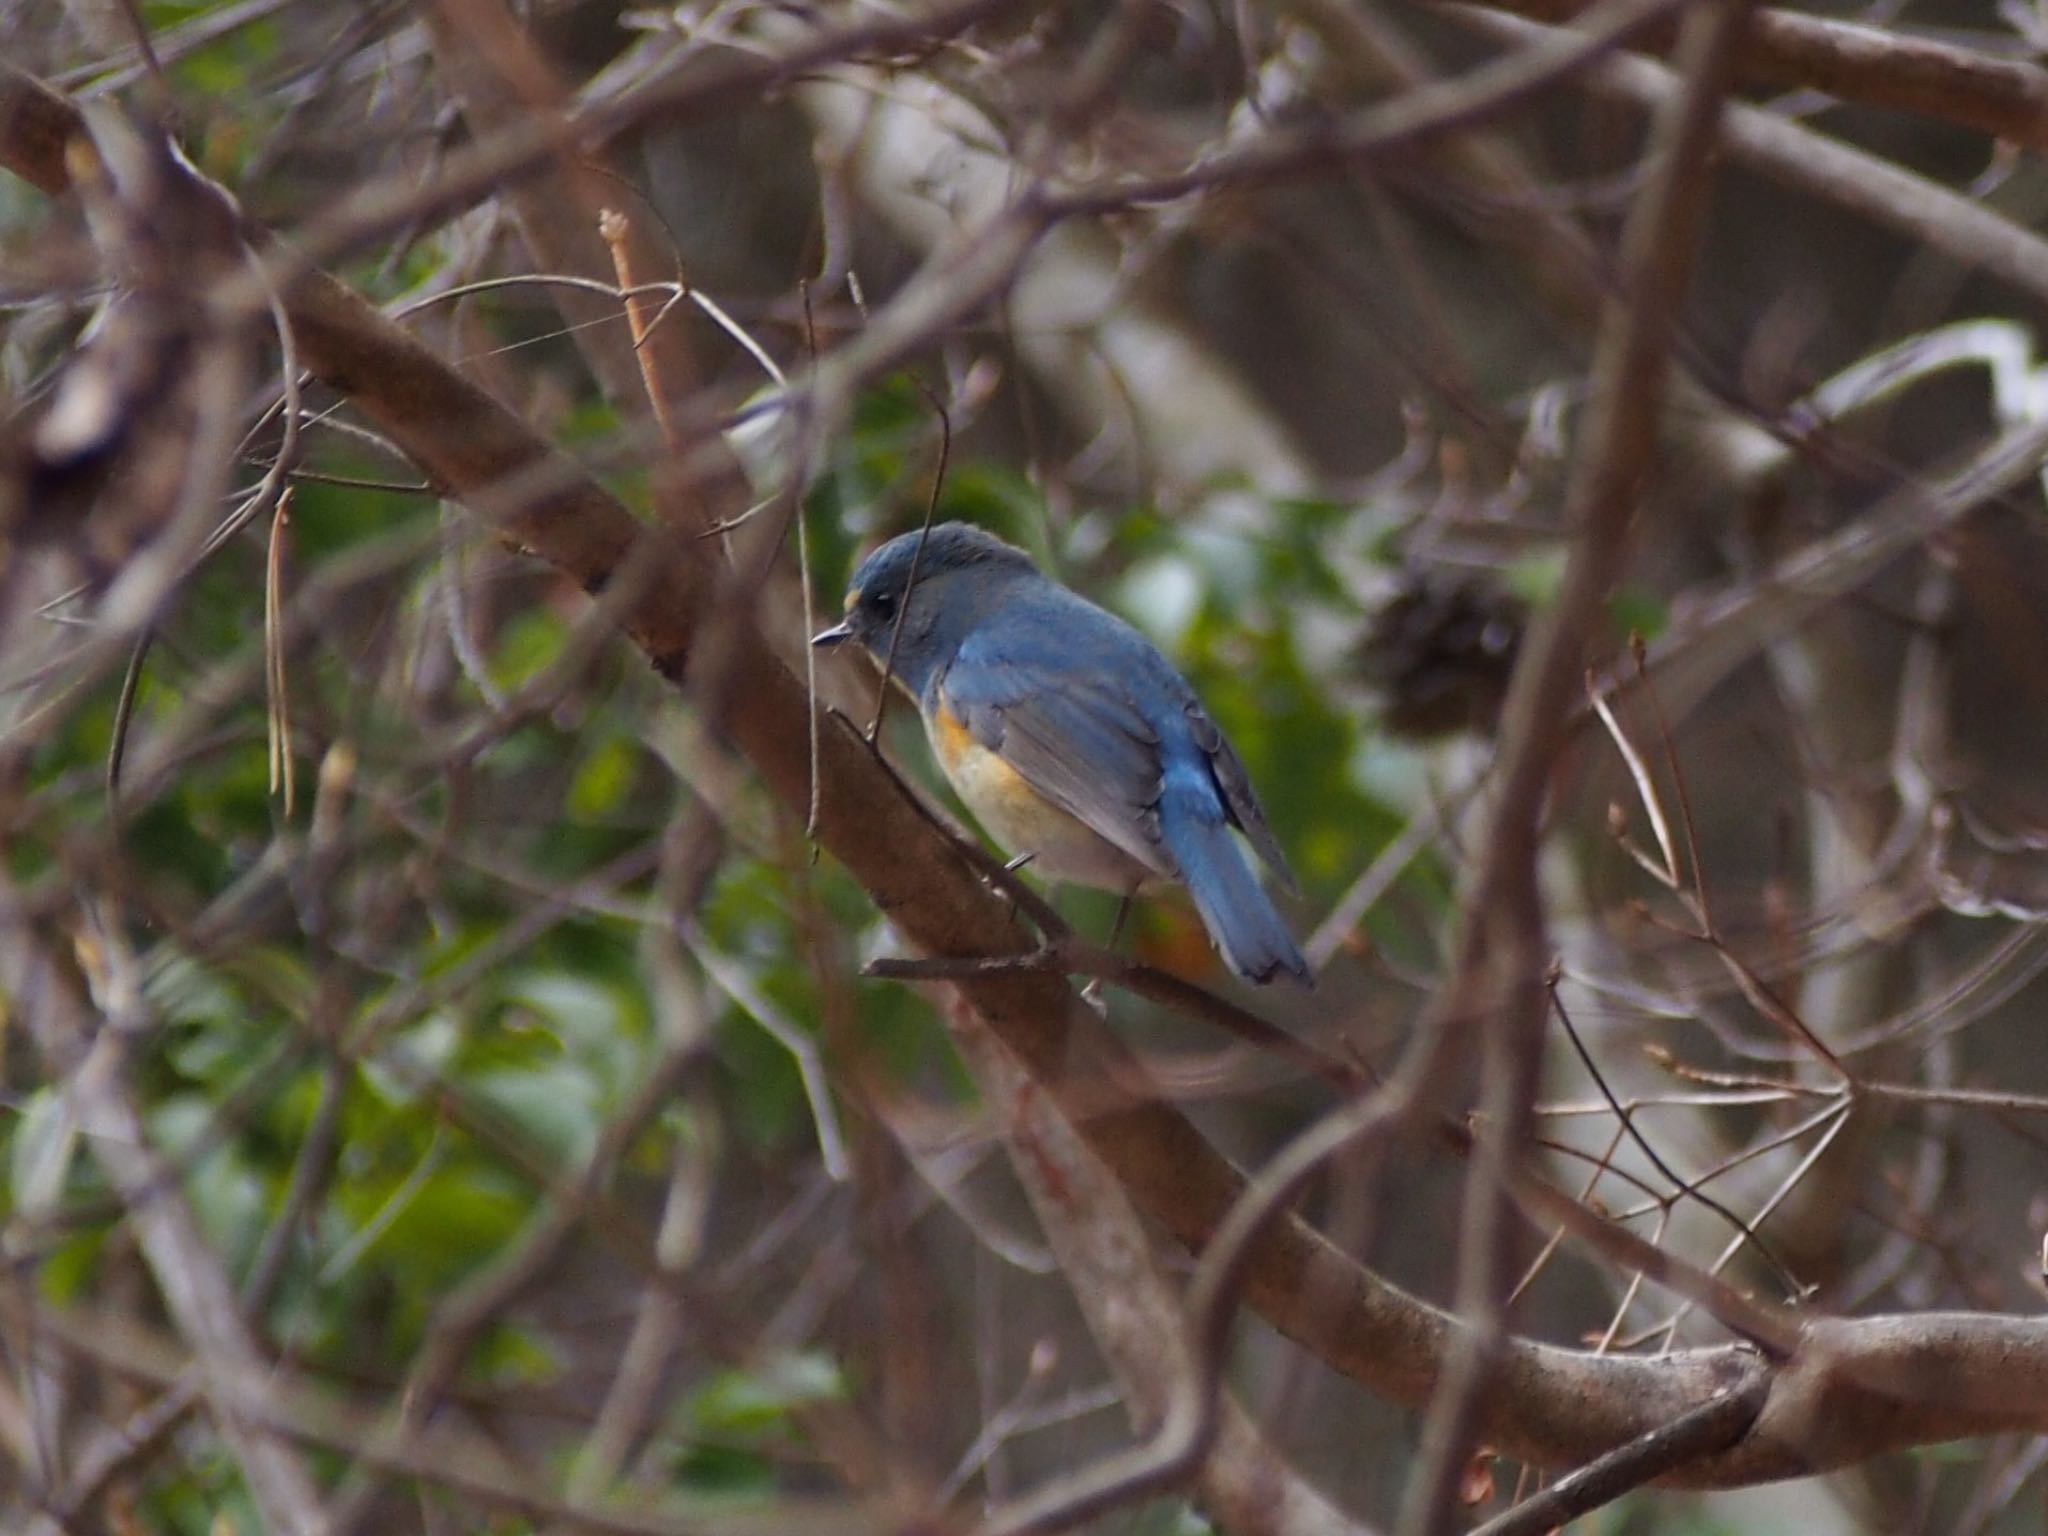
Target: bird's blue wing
{"points": [[1155, 777], [1079, 741], [1235, 783]]}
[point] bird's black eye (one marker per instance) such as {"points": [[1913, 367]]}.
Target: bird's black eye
{"points": [[882, 605]]}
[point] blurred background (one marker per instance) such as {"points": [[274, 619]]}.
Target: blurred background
{"points": [[502, 1043]]}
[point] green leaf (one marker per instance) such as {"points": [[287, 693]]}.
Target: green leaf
{"points": [[603, 779], [554, 1107], [1639, 611], [526, 645], [69, 1271], [724, 1470], [404, 1072], [758, 1401], [1536, 578], [45, 1143], [226, 1191], [512, 1356], [595, 1023]]}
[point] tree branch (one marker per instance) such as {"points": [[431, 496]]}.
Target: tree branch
{"points": [[1795, 156], [1504, 948], [1202, 1437], [1551, 1406], [2006, 98], [89, 1055], [1712, 1426]]}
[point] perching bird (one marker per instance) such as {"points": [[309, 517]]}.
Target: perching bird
{"points": [[1067, 733]]}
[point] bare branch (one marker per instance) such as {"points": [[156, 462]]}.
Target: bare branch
{"points": [[89, 1054], [1713, 1426], [2005, 98], [1503, 948], [1552, 1406], [1201, 1436]]}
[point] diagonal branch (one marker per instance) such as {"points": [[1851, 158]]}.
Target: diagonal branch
{"points": [[1552, 1406], [89, 1054], [2006, 98], [1712, 1426], [1202, 1438], [1504, 947], [1960, 227]]}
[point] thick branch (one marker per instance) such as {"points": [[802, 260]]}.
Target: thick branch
{"points": [[2006, 98], [1550, 1406], [1707, 1428], [1959, 227], [1137, 1319]]}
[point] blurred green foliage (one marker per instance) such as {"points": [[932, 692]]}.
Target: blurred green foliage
{"points": [[498, 1008], [454, 989]]}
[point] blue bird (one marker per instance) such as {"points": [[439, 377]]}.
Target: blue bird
{"points": [[1067, 733]]}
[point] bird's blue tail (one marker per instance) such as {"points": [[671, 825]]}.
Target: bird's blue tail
{"points": [[1251, 935]]}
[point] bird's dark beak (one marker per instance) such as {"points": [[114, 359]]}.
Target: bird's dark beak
{"points": [[832, 636]]}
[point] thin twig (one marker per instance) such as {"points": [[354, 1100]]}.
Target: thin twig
{"points": [[1682, 1188], [616, 231], [277, 717], [1504, 941]]}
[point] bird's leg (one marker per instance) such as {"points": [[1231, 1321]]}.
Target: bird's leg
{"points": [[1091, 990]]}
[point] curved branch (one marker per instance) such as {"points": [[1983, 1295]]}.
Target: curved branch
{"points": [[1854, 1388], [1202, 1436], [1712, 1426]]}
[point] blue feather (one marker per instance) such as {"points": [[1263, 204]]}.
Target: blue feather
{"points": [[1237, 912]]}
